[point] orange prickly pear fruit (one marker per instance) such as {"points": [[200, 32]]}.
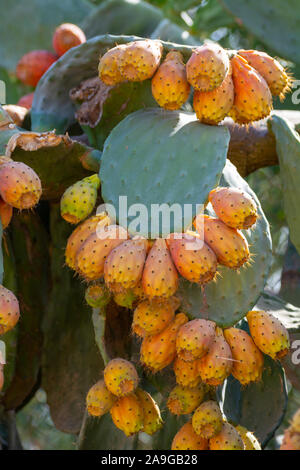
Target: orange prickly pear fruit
{"points": [[207, 67], [193, 258], [234, 207], [186, 372], [216, 366], [183, 400], [32, 66], [6, 213], [295, 424], [158, 351], [227, 439], [194, 339], [160, 278], [99, 399], [248, 438], [26, 101], [252, 99], [66, 36], [207, 420], [211, 107], [291, 440], [248, 361], [270, 69], [79, 200], [140, 60], [94, 251], [124, 266], [109, 66], [187, 439], [127, 414], [170, 87], [9, 310], [120, 377], [229, 245], [269, 334], [20, 186], [152, 317], [97, 296], [152, 418]]}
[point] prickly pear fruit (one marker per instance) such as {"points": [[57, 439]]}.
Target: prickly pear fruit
{"points": [[248, 438], [229, 245], [127, 414], [79, 200], [227, 439], [248, 360], [234, 207], [160, 278], [186, 372], [32, 66], [158, 351], [20, 186], [9, 310], [295, 424], [124, 266], [152, 418], [183, 400], [66, 36], [270, 69], [207, 420], [120, 377], [99, 399], [109, 70], [211, 107], [26, 101], [97, 296], [1, 377], [125, 298], [140, 60], [152, 317], [291, 440], [207, 67], [269, 334], [252, 99], [6, 213], [187, 439], [94, 251], [194, 339], [170, 87], [216, 366], [193, 258]]}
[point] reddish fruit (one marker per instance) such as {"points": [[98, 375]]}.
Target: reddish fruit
{"points": [[32, 66], [229, 245], [193, 258], [207, 67], [158, 351], [26, 101], [186, 372], [66, 36], [6, 213], [248, 438], [109, 66], [97, 296], [152, 317], [227, 439], [140, 60], [170, 87], [127, 414], [291, 440], [194, 339], [269, 334], [207, 420], [9, 310], [248, 360], [152, 418], [216, 366], [99, 399], [120, 377], [187, 439], [183, 400], [234, 207]]}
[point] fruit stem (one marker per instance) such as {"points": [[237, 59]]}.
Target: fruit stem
{"points": [[98, 318]]}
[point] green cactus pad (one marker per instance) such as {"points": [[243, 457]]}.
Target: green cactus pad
{"points": [[161, 157], [234, 293], [168, 31]]}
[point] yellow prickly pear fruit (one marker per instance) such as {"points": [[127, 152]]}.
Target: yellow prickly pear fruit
{"points": [[248, 360], [186, 372], [183, 400], [152, 317], [160, 278], [207, 420], [295, 424], [127, 414], [194, 339], [140, 60], [158, 351], [9, 310], [216, 366], [234, 207], [79, 200], [211, 107], [120, 377], [152, 418], [229, 245], [97, 296], [170, 87], [99, 399], [187, 439], [227, 439], [6, 213], [109, 66], [249, 440], [207, 67], [269, 334], [125, 298]]}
